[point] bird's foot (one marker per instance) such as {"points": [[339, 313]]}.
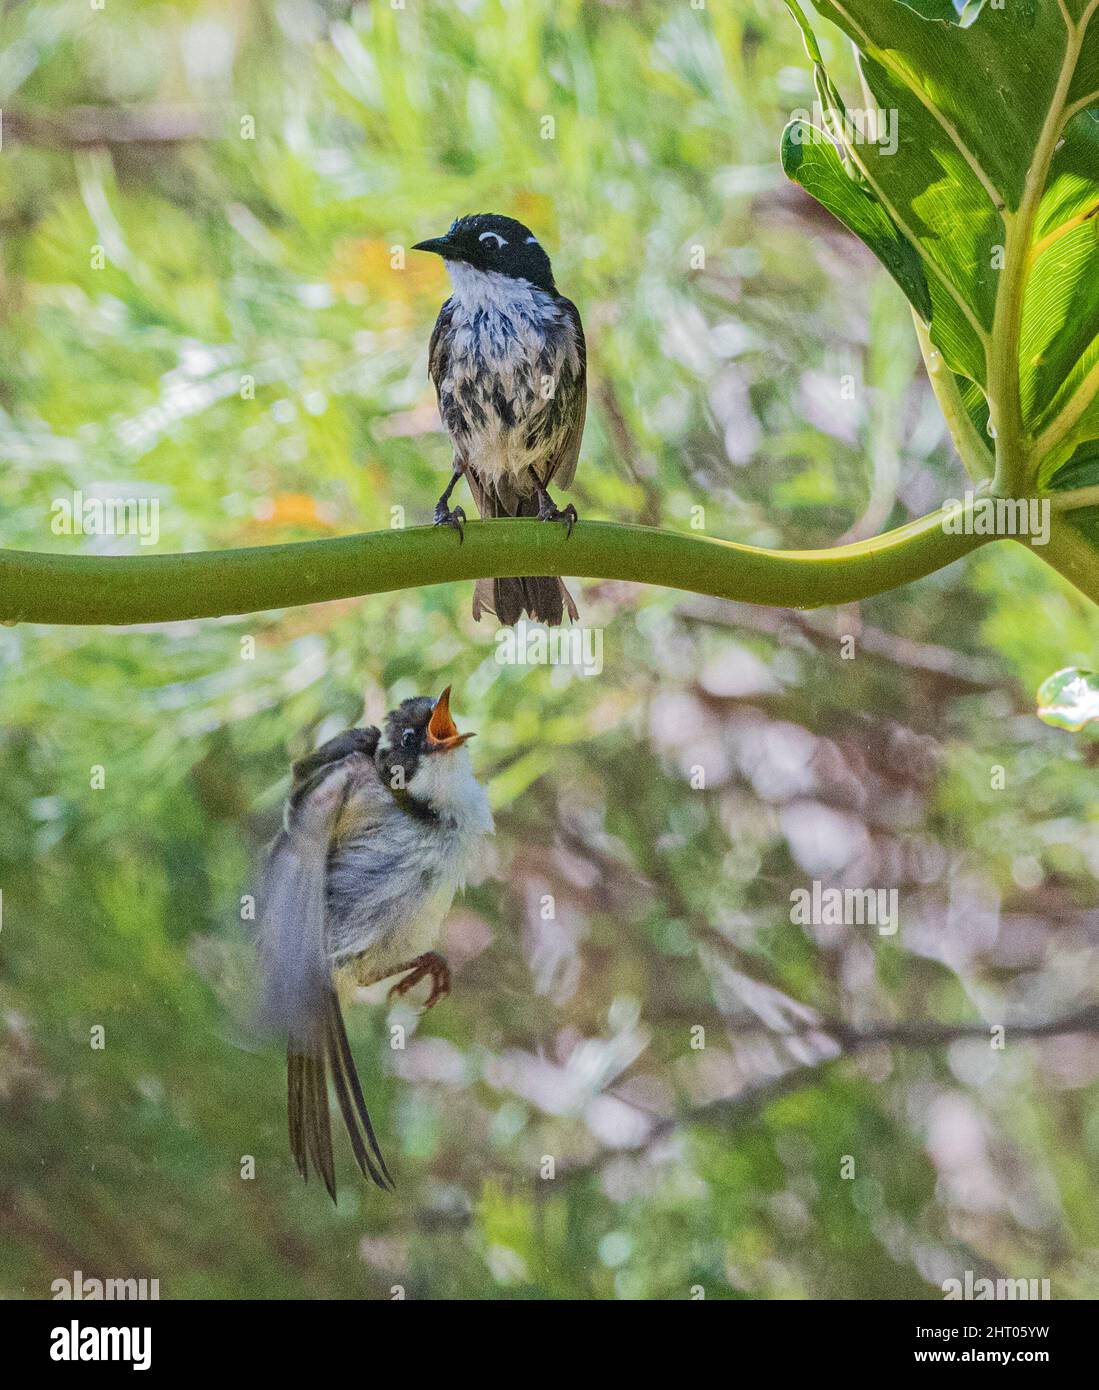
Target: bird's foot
{"points": [[433, 964], [445, 517], [549, 511]]}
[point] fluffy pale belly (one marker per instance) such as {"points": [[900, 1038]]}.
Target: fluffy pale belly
{"points": [[505, 454], [495, 422], [419, 932], [399, 937], [506, 364]]}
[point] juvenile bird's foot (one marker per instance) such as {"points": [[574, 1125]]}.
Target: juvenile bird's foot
{"points": [[549, 511], [445, 517], [433, 964]]}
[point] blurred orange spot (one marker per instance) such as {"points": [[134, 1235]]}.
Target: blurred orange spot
{"points": [[367, 270], [292, 509], [535, 211]]}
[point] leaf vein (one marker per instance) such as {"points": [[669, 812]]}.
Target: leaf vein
{"points": [[995, 196]]}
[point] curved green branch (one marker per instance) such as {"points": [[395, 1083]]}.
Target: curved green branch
{"points": [[80, 589]]}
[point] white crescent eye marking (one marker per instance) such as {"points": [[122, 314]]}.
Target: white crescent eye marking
{"points": [[499, 239], [532, 241]]}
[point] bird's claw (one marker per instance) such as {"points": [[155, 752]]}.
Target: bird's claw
{"points": [[456, 518], [548, 511], [431, 964]]}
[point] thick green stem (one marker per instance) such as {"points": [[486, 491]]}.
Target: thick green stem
{"points": [[1013, 463], [974, 453], [1072, 555], [53, 588]]}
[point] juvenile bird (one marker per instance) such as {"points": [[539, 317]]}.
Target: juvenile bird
{"points": [[509, 364], [380, 830]]}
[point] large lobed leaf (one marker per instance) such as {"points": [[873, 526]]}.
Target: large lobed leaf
{"points": [[981, 198]]}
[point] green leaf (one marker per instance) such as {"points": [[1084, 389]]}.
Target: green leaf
{"points": [[1082, 470], [979, 157], [985, 91], [1059, 344], [1069, 699], [811, 160]]}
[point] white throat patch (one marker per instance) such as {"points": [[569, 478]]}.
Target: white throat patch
{"points": [[445, 781], [488, 290]]}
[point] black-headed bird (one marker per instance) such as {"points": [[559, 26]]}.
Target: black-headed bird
{"points": [[509, 364], [380, 831]]}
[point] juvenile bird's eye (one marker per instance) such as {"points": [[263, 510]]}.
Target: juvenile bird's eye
{"points": [[408, 738], [500, 241]]}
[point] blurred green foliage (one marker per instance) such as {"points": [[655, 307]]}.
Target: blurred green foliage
{"points": [[746, 358]]}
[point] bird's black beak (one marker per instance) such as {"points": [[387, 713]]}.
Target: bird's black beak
{"points": [[440, 245]]}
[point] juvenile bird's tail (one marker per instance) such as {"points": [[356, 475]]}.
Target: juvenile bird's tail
{"points": [[542, 597], [309, 1058], [299, 1000]]}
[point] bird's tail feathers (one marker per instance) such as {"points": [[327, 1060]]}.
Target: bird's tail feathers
{"points": [[309, 1058], [543, 597]]}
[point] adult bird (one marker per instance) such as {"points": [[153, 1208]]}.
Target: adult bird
{"points": [[380, 830], [509, 365]]}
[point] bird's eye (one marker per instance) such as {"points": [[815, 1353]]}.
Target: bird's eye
{"points": [[499, 240], [408, 738]]}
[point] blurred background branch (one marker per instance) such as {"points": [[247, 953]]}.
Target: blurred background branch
{"points": [[82, 126], [833, 1041]]}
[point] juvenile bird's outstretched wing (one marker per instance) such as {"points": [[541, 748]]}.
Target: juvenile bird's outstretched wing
{"points": [[299, 999]]}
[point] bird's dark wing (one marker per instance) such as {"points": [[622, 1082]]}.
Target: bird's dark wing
{"points": [[299, 999], [305, 771], [569, 405], [438, 349]]}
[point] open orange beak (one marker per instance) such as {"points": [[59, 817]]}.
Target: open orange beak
{"points": [[442, 733]]}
